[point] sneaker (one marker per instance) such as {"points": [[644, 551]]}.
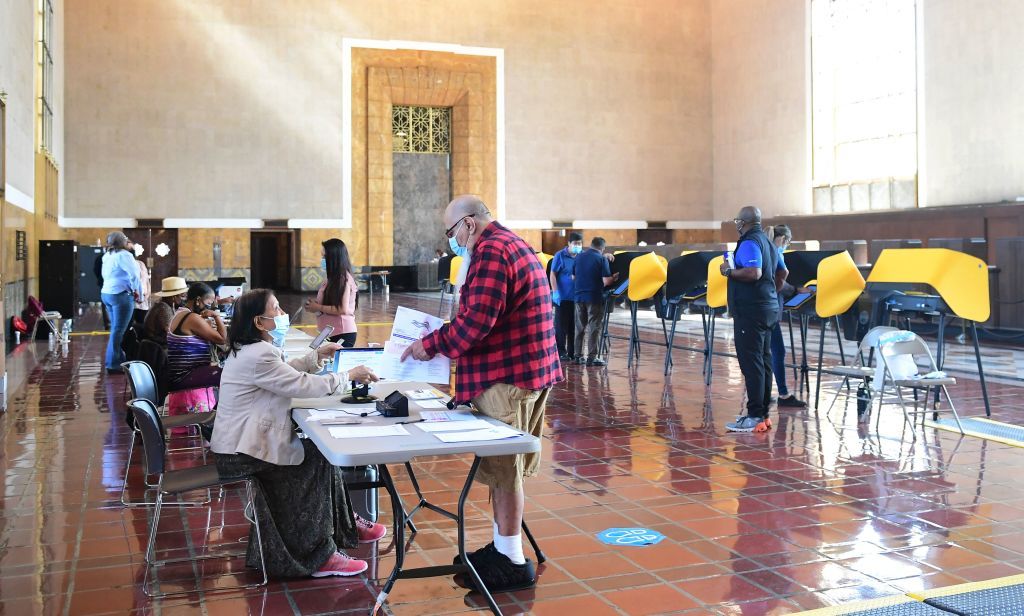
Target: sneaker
{"points": [[596, 362], [767, 420], [498, 572], [750, 424], [792, 402], [370, 532], [580, 360], [341, 565]]}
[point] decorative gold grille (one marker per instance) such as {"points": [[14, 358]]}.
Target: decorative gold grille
{"points": [[421, 130]]}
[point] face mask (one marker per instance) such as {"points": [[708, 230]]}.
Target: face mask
{"points": [[281, 324], [323, 264], [575, 250], [458, 250]]}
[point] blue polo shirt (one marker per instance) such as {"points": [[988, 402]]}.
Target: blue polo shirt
{"points": [[562, 267], [591, 267]]}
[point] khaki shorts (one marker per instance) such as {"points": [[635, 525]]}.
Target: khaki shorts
{"points": [[522, 409]]}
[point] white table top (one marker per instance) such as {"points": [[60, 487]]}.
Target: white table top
{"points": [[395, 449]]}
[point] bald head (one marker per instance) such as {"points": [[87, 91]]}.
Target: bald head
{"points": [[466, 205], [466, 217], [749, 214]]}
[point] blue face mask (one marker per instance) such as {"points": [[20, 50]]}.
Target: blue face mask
{"points": [[281, 325], [575, 250], [323, 264], [458, 250]]}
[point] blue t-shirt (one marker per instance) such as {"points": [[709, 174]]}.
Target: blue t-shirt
{"points": [[747, 255], [782, 262], [591, 267], [562, 267]]}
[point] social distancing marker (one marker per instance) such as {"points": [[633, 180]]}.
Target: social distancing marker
{"points": [[633, 537]]}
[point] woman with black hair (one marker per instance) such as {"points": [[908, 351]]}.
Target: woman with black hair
{"points": [[335, 302], [193, 331], [302, 504], [121, 287]]}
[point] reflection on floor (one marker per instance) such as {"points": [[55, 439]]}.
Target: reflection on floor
{"points": [[820, 511]]}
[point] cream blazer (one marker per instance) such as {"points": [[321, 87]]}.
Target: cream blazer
{"points": [[254, 409]]}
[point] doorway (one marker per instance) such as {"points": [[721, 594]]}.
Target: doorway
{"points": [[421, 181], [270, 253], [159, 252], [556, 239]]}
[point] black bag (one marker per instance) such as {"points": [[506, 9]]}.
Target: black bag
{"points": [[364, 502]]}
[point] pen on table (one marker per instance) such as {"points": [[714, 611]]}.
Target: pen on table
{"points": [[410, 422]]}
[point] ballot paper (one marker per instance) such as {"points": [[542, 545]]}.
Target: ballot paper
{"points": [[367, 431], [456, 415], [454, 426], [436, 370], [431, 404], [411, 325], [494, 433]]}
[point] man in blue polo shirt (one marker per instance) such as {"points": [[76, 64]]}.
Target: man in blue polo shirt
{"points": [[593, 274], [754, 305], [562, 267]]}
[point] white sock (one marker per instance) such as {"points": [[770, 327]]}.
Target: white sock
{"points": [[511, 546]]}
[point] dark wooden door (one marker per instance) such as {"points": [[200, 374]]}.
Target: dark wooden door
{"points": [[271, 259], [160, 252]]}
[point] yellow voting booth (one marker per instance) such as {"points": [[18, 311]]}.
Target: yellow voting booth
{"points": [[544, 259], [647, 275], [960, 279], [935, 282]]}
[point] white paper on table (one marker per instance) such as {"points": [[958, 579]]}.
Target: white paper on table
{"points": [[494, 433], [424, 394], [431, 404], [454, 426], [411, 325], [456, 415], [436, 370], [319, 414], [367, 431]]}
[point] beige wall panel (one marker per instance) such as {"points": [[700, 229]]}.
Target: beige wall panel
{"points": [[191, 108], [973, 121], [759, 106], [17, 79]]}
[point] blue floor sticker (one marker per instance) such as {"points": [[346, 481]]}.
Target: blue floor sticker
{"points": [[630, 536]]}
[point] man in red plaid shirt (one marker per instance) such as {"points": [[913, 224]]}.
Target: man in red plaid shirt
{"points": [[504, 340]]}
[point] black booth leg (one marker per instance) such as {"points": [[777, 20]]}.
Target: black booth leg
{"points": [[821, 355], [981, 369]]}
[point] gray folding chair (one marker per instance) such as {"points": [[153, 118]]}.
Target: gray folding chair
{"points": [[916, 348], [174, 483], [142, 383]]}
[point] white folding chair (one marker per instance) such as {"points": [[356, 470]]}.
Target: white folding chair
{"points": [[862, 369], [915, 348]]}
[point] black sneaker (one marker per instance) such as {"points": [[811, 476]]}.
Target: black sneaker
{"points": [[596, 362], [498, 573], [793, 402]]}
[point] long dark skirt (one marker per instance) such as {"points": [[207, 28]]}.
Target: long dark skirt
{"points": [[304, 511]]}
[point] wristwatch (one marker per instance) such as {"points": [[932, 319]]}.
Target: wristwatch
{"points": [[728, 271]]}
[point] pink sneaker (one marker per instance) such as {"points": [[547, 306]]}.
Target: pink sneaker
{"points": [[339, 564], [370, 532]]}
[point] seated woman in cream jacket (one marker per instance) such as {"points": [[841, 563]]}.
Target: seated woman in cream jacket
{"points": [[303, 507]]}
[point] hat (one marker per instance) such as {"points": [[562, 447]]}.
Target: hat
{"points": [[169, 287]]}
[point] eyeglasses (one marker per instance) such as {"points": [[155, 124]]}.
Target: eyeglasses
{"points": [[738, 221], [449, 233]]}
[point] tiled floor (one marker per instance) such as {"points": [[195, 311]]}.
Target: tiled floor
{"points": [[818, 512]]}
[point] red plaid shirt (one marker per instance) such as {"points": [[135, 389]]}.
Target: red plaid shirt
{"points": [[504, 331]]}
